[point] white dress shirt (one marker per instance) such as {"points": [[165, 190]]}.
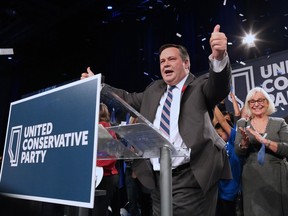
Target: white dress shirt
{"points": [[175, 137]]}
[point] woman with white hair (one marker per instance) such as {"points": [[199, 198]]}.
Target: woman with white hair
{"points": [[263, 141]]}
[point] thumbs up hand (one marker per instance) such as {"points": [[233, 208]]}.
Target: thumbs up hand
{"points": [[218, 43], [87, 74]]}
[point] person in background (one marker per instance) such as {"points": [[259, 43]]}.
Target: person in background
{"points": [[195, 176], [232, 117], [263, 141], [139, 200], [110, 179], [236, 108], [229, 190]]}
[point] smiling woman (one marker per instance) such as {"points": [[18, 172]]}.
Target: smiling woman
{"points": [[262, 141]]}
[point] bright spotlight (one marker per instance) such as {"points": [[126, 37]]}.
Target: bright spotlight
{"points": [[249, 40]]}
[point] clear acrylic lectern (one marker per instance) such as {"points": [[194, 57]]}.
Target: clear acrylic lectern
{"points": [[136, 141]]}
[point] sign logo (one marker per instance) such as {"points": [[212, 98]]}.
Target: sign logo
{"points": [[14, 145], [245, 74]]}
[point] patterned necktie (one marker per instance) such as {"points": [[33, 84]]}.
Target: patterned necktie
{"points": [[165, 116], [261, 153]]}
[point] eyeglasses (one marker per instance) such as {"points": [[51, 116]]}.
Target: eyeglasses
{"points": [[259, 101]]}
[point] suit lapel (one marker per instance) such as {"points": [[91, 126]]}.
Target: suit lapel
{"points": [[187, 85], [189, 79]]}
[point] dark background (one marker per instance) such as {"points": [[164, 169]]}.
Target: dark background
{"points": [[55, 40]]}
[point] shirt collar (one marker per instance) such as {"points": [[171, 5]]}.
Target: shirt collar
{"points": [[181, 83]]}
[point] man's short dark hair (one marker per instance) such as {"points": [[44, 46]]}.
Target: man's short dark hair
{"points": [[183, 51]]}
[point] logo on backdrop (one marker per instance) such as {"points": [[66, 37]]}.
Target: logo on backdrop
{"points": [[247, 75], [270, 73], [31, 144]]}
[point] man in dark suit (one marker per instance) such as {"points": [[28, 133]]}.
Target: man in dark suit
{"points": [[195, 176]]}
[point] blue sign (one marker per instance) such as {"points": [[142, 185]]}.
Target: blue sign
{"points": [[51, 144], [270, 73]]}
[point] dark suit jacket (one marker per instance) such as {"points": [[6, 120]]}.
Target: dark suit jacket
{"points": [[209, 160]]}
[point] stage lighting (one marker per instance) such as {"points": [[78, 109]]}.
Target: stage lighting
{"points": [[249, 40]]}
